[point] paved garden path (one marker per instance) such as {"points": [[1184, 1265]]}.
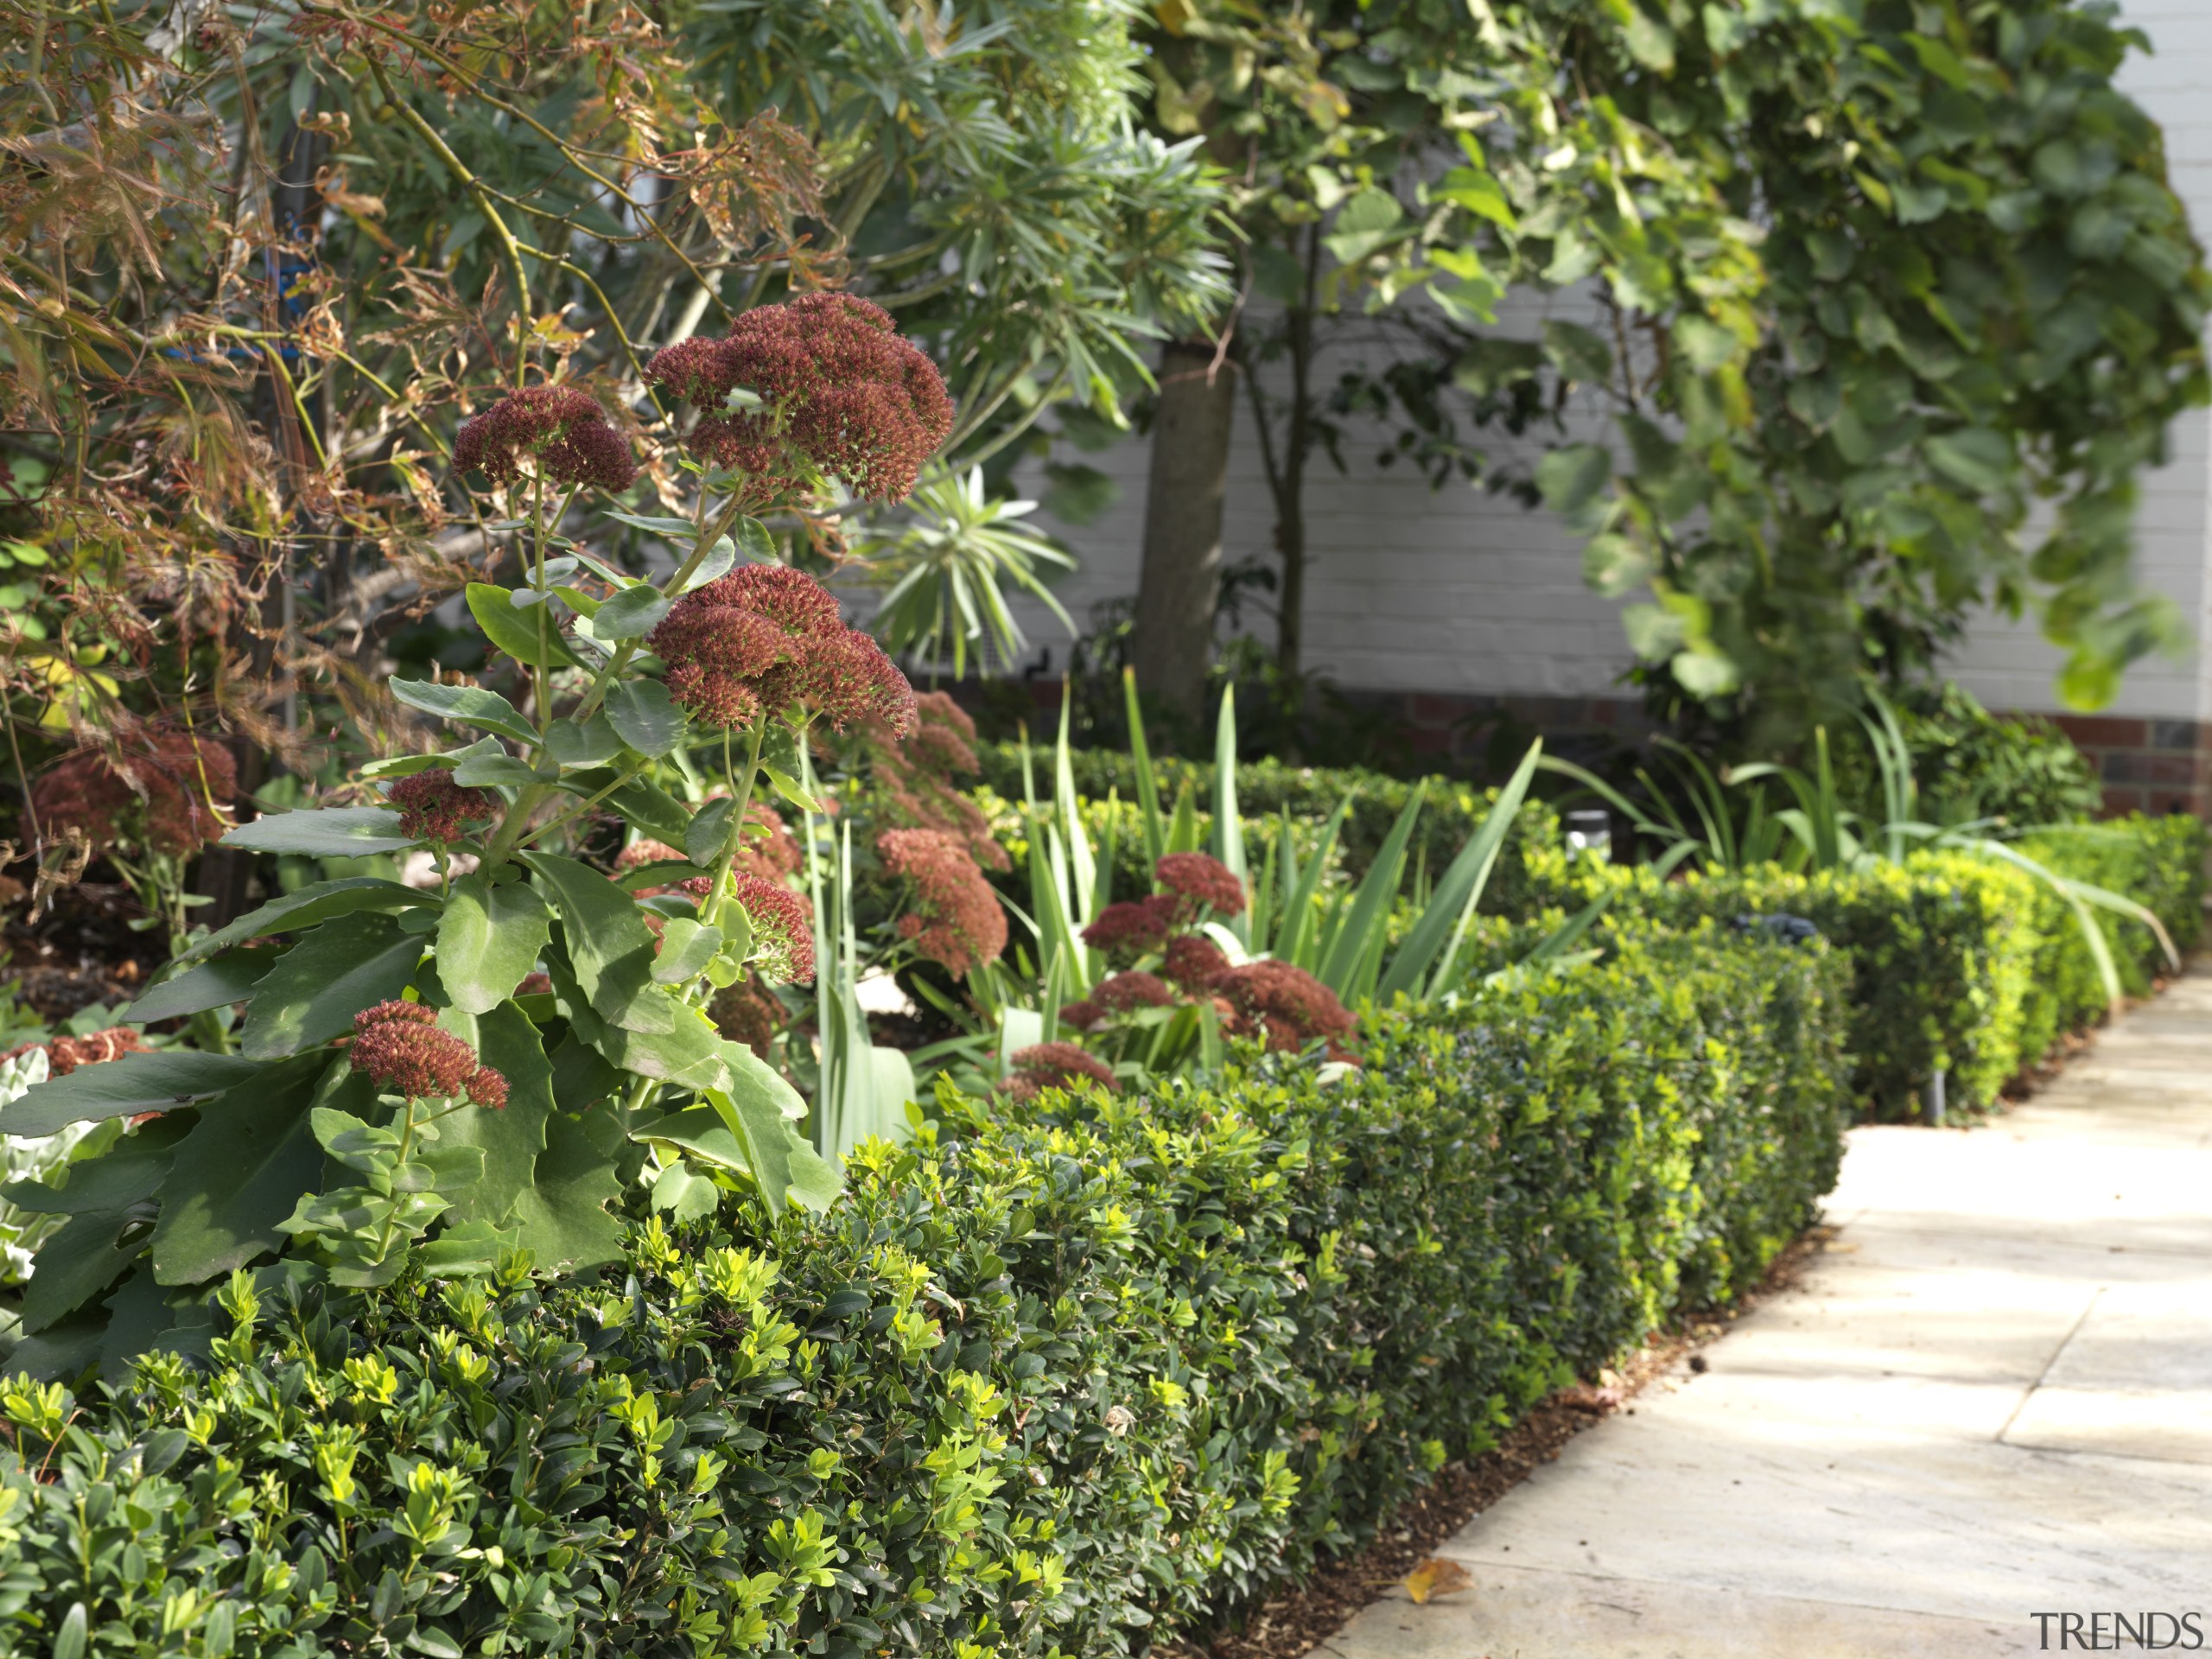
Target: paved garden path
{"points": [[1992, 1397]]}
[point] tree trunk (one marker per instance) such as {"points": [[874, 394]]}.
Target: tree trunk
{"points": [[1181, 580]]}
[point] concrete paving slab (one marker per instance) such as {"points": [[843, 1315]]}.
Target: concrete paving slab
{"points": [[1992, 1397], [1512, 1613]]}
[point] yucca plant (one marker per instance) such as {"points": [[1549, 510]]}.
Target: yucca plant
{"points": [[1292, 911], [948, 568]]}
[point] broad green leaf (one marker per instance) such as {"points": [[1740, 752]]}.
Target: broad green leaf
{"points": [[470, 1247], [702, 1131], [592, 744], [136, 1083], [710, 832], [630, 614], [316, 987], [309, 907], [243, 1167], [488, 771], [645, 716], [512, 1137], [83, 1259], [561, 1216], [229, 978], [471, 705], [489, 939], [685, 1194], [1371, 221], [1973, 458], [103, 1197], [678, 529], [686, 948], [609, 948], [785, 1167], [323, 832], [515, 630], [1572, 477]]}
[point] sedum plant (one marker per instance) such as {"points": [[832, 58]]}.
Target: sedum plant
{"points": [[434, 1080]]}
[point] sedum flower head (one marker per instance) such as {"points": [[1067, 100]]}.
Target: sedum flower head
{"points": [[1134, 926], [400, 1046], [1192, 961], [957, 919], [783, 931], [1201, 881], [769, 640], [165, 791], [1287, 1005], [561, 429], [1055, 1065], [432, 807], [840, 393]]}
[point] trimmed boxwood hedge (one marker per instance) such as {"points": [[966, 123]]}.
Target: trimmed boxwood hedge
{"points": [[1960, 961], [1056, 1382]]}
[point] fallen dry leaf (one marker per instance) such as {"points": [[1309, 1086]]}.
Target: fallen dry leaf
{"points": [[1435, 1577]]}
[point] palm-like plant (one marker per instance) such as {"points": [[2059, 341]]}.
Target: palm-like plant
{"points": [[948, 563]]}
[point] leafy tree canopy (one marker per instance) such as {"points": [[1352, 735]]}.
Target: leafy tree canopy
{"points": [[1868, 281]]}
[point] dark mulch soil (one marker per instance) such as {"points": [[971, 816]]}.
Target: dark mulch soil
{"points": [[1291, 1623], [79, 951]]}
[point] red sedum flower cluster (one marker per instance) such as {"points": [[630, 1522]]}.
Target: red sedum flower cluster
{"points": [[432, 807], [65, 1054], [1287, 1005], [915, 777], [1118, 995], [783, 931], [769, 640], [840, 393], [561, 429], [1192, 962], [166, 790], [1134, 927], [957, 919], [1054, 1066], [1201, 881], [399, 1045]]}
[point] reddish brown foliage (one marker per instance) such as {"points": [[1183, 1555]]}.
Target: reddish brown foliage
{"points": [[957, 919]]}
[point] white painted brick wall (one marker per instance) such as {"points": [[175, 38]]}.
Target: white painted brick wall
{"points": [[1460, 591]]}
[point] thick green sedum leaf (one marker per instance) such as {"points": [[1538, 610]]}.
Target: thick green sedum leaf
{"points": [[489, 939], [514, 628], [469, 705], [244, 1166], [561, 1218], [323, 832], [229, 978], [124, 1088], [316, 987], [317, 902], [609, 948], [644, 715], [512, 1138]]}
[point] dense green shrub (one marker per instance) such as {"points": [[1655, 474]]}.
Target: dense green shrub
{"points": [[1976, 765], [1267, 788], [1960, 961], [1054, 1385]]}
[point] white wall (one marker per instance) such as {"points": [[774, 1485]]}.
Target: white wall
{"points": [[1459, 591]]}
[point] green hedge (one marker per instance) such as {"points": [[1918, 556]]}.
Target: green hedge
{"points": [[1054, 1385], [1960, 961], [1451, 813]]}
